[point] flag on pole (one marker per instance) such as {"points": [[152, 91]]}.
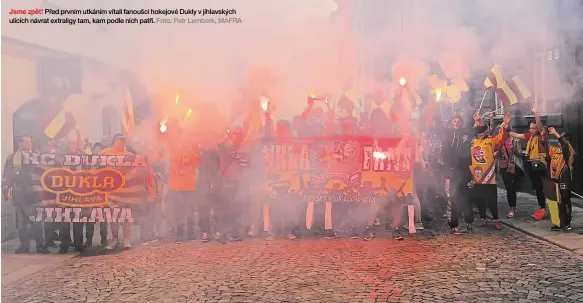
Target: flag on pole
{"points": [[61, 123], [511, 91], [128, 122], [494, 78]]}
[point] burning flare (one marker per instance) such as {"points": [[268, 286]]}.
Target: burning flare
{"points": [[188, 113], [163, 126], [177, 98], [264, 103], [402, 81], [437, 94], [379, 155]]}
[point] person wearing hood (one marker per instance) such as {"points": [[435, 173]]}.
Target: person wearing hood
{"points": [[455, 146], [483, 169]]}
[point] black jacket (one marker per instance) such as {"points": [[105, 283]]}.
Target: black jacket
{"points": [[456, 148]]}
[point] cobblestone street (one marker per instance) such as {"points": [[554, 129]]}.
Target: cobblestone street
{"points": [[432, 266]]}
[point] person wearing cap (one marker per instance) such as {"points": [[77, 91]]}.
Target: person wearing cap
{"points": [[17, 184], [562, 160], [483, 190], [118, 147]]}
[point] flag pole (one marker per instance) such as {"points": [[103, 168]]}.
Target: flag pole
{"points": [[482, 103]]}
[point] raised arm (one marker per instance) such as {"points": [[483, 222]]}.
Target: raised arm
{"points": [[566, 148], [539, 123], [503, 135], [517, 135], [307, 111]]}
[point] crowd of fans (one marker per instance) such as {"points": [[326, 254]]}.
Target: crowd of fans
{"points": [[222, 188]]}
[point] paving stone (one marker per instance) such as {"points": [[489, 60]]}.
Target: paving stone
{"points": [[430, 266]]}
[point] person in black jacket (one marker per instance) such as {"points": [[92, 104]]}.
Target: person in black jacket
{"points": [[456, 162], [17, 184]]}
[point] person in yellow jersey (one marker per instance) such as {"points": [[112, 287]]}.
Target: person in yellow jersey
{"points": [[536, 166], [483, 168], [562, 160], [119, 147]]}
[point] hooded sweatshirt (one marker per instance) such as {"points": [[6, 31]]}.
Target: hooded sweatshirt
{"points": [[455, 147]]}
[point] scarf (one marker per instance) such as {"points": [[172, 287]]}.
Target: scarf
{"points": [[17, 160], [535, 149]]}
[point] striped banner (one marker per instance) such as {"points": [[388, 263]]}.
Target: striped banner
{"points": [[128, 123]]}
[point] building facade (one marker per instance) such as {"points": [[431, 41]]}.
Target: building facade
{"points": [[96, 100]]}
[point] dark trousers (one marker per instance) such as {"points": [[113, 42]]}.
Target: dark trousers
{"points": [[204, 212], [426, 190], [509, 180], [460, 198], [565, 208], [27, 229], [51, 229], [183, 202], [536, 178], [90, 230], [486, 197], [230, 206], [65, 234]]}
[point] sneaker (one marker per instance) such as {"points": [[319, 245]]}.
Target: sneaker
{"points": [[222, 239], [42, 250], [270, 237], [481, 223], [498, 224], [510, 214], [253, 231], [540, 214], [353, 234], [419, 226], [467, 228], [555, 228], [112, 244], [369, 233], [234, 238], [456, 231], [377, 222], [51, 243], [332, 234], [217, 236], [205, 237], [127, 244], [291, 236], [179, 239], [397, 234], [568, 228]]}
